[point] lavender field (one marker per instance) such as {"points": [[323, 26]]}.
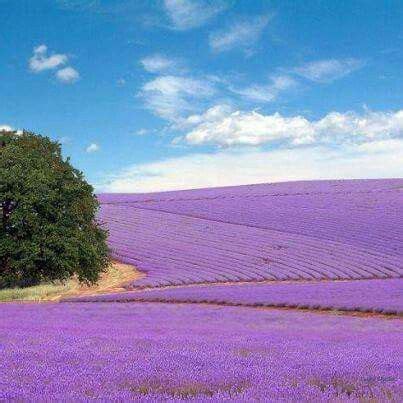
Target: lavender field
{"points": [[203, 321], [156, 352], [290, 231]]}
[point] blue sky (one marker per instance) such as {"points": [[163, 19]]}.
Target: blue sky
{"points": [[171, 94]]}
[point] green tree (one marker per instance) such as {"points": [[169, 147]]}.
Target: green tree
{"points": [[48, 226]]}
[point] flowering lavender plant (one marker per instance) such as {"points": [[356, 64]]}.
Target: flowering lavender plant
{"points": [[159, 352]]}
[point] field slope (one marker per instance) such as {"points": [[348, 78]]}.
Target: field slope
{"points": [[320, 230]]}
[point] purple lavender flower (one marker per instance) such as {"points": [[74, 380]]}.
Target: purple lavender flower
{"points": [[156, 352]]}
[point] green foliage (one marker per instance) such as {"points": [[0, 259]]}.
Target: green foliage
{"points": [[48, 229]]}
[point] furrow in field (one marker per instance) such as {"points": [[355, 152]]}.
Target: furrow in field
{"points": [[377, 296]]}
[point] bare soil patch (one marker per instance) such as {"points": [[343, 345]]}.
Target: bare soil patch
{"points": [[114, 280]]}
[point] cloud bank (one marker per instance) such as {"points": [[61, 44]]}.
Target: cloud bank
{"points": [[222, 126], [255, 166]]}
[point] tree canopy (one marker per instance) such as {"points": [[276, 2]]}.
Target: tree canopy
{"points": [[48, 215]]}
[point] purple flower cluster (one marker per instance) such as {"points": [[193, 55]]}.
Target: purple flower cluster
{"points": [[289, 231], [159, 352], [380, 296]]}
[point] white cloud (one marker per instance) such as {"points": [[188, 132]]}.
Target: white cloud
{"points": [[40, 61], [224, 127], [368, 126], [267, 92], [158, 64], [187, 14], [5, 128], [380, 146], [243, 34], [173, 85], [237, 168], [68, 75], [211, 115], [230, 128], [328, 70], [141, 132], [92, 148], [170, 96]]}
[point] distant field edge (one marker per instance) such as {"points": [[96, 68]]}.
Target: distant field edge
{"points": [[361, 296]]}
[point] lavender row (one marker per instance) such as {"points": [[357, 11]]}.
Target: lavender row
{"points": [[380, 296], [155, 352], [173, 249], [371, 220]]}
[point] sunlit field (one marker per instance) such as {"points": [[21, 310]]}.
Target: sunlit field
{"points": [[264, 292]]}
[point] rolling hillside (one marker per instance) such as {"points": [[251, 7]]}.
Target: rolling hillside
{"points": [[318, 230]]}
